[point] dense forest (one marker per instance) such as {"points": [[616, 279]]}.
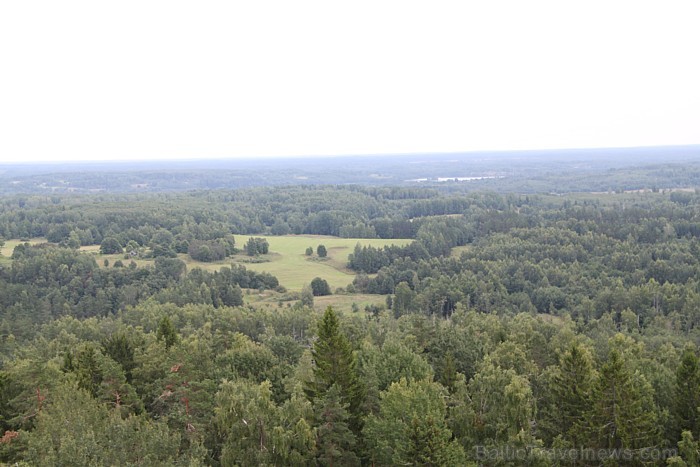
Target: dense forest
{"points": [[514, 328]]}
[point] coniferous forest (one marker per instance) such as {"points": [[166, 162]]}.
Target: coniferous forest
{"points": [[509, 327]]}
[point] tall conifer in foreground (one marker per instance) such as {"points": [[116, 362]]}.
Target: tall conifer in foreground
{"points": [[687, 394], [623, 415], [335, 364]]}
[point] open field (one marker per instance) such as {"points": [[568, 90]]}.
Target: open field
{"points": [[286, 259], [343, 303], [271, 300], [294, 269], [458, 250], [10, 245]]}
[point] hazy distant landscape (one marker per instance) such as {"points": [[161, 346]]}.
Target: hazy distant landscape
{"points": [[515, 171]]}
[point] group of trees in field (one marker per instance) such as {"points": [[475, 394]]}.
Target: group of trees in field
{"points": [[256, 246], [520, 329]]}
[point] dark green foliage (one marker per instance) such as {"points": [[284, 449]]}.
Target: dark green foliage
{"points": [[335, 364], [110, 245], [428, 443], [572, 391], [309, 251], [686, 408], [170, 268], [448, 373], [87, 370], [621, 415], [4, 402], [320, 287], [204, 252], [256, 246], [120, 349], [321, 251], [336, 443], [561, 322], [166, 332]]}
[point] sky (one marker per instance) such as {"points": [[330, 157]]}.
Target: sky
{"points": [[94, 80]]}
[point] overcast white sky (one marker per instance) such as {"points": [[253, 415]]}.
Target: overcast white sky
{"points": [[96, 80]]}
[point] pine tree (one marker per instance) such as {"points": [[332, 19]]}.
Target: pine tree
{"points": [[335, 364], [410, 427], [688, 449]]}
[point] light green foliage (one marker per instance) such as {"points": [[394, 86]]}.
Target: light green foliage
{"points": [[410, 427], [74, 429], [307, 296], [257, 432], [393, 361], [502, 406], [404, 299], [566, 322]]}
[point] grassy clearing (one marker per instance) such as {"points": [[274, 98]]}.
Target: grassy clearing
{"points": [[8, 248], [270, 300], [286, 260], [458, 250], [343, 303], [294, 269]]}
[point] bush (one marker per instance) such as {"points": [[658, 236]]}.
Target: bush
{"points": [[320, 287], [110, 246]]}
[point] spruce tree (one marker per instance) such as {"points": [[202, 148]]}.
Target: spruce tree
{"points": [[166, 332], [572, 386], [334, 440], [622, 415], [335, 364], [687, 394], [120, 349]]}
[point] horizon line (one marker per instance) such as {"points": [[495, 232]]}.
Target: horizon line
{"points": [[339, 155]]}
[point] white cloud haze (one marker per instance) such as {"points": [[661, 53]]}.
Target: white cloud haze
{"points": [[93, 80]]}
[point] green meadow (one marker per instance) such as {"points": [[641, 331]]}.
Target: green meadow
{"points": [[286, 259], [294, 269], [9, 246]]}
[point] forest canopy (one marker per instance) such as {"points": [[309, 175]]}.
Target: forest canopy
{"points": [[508, 325]]}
